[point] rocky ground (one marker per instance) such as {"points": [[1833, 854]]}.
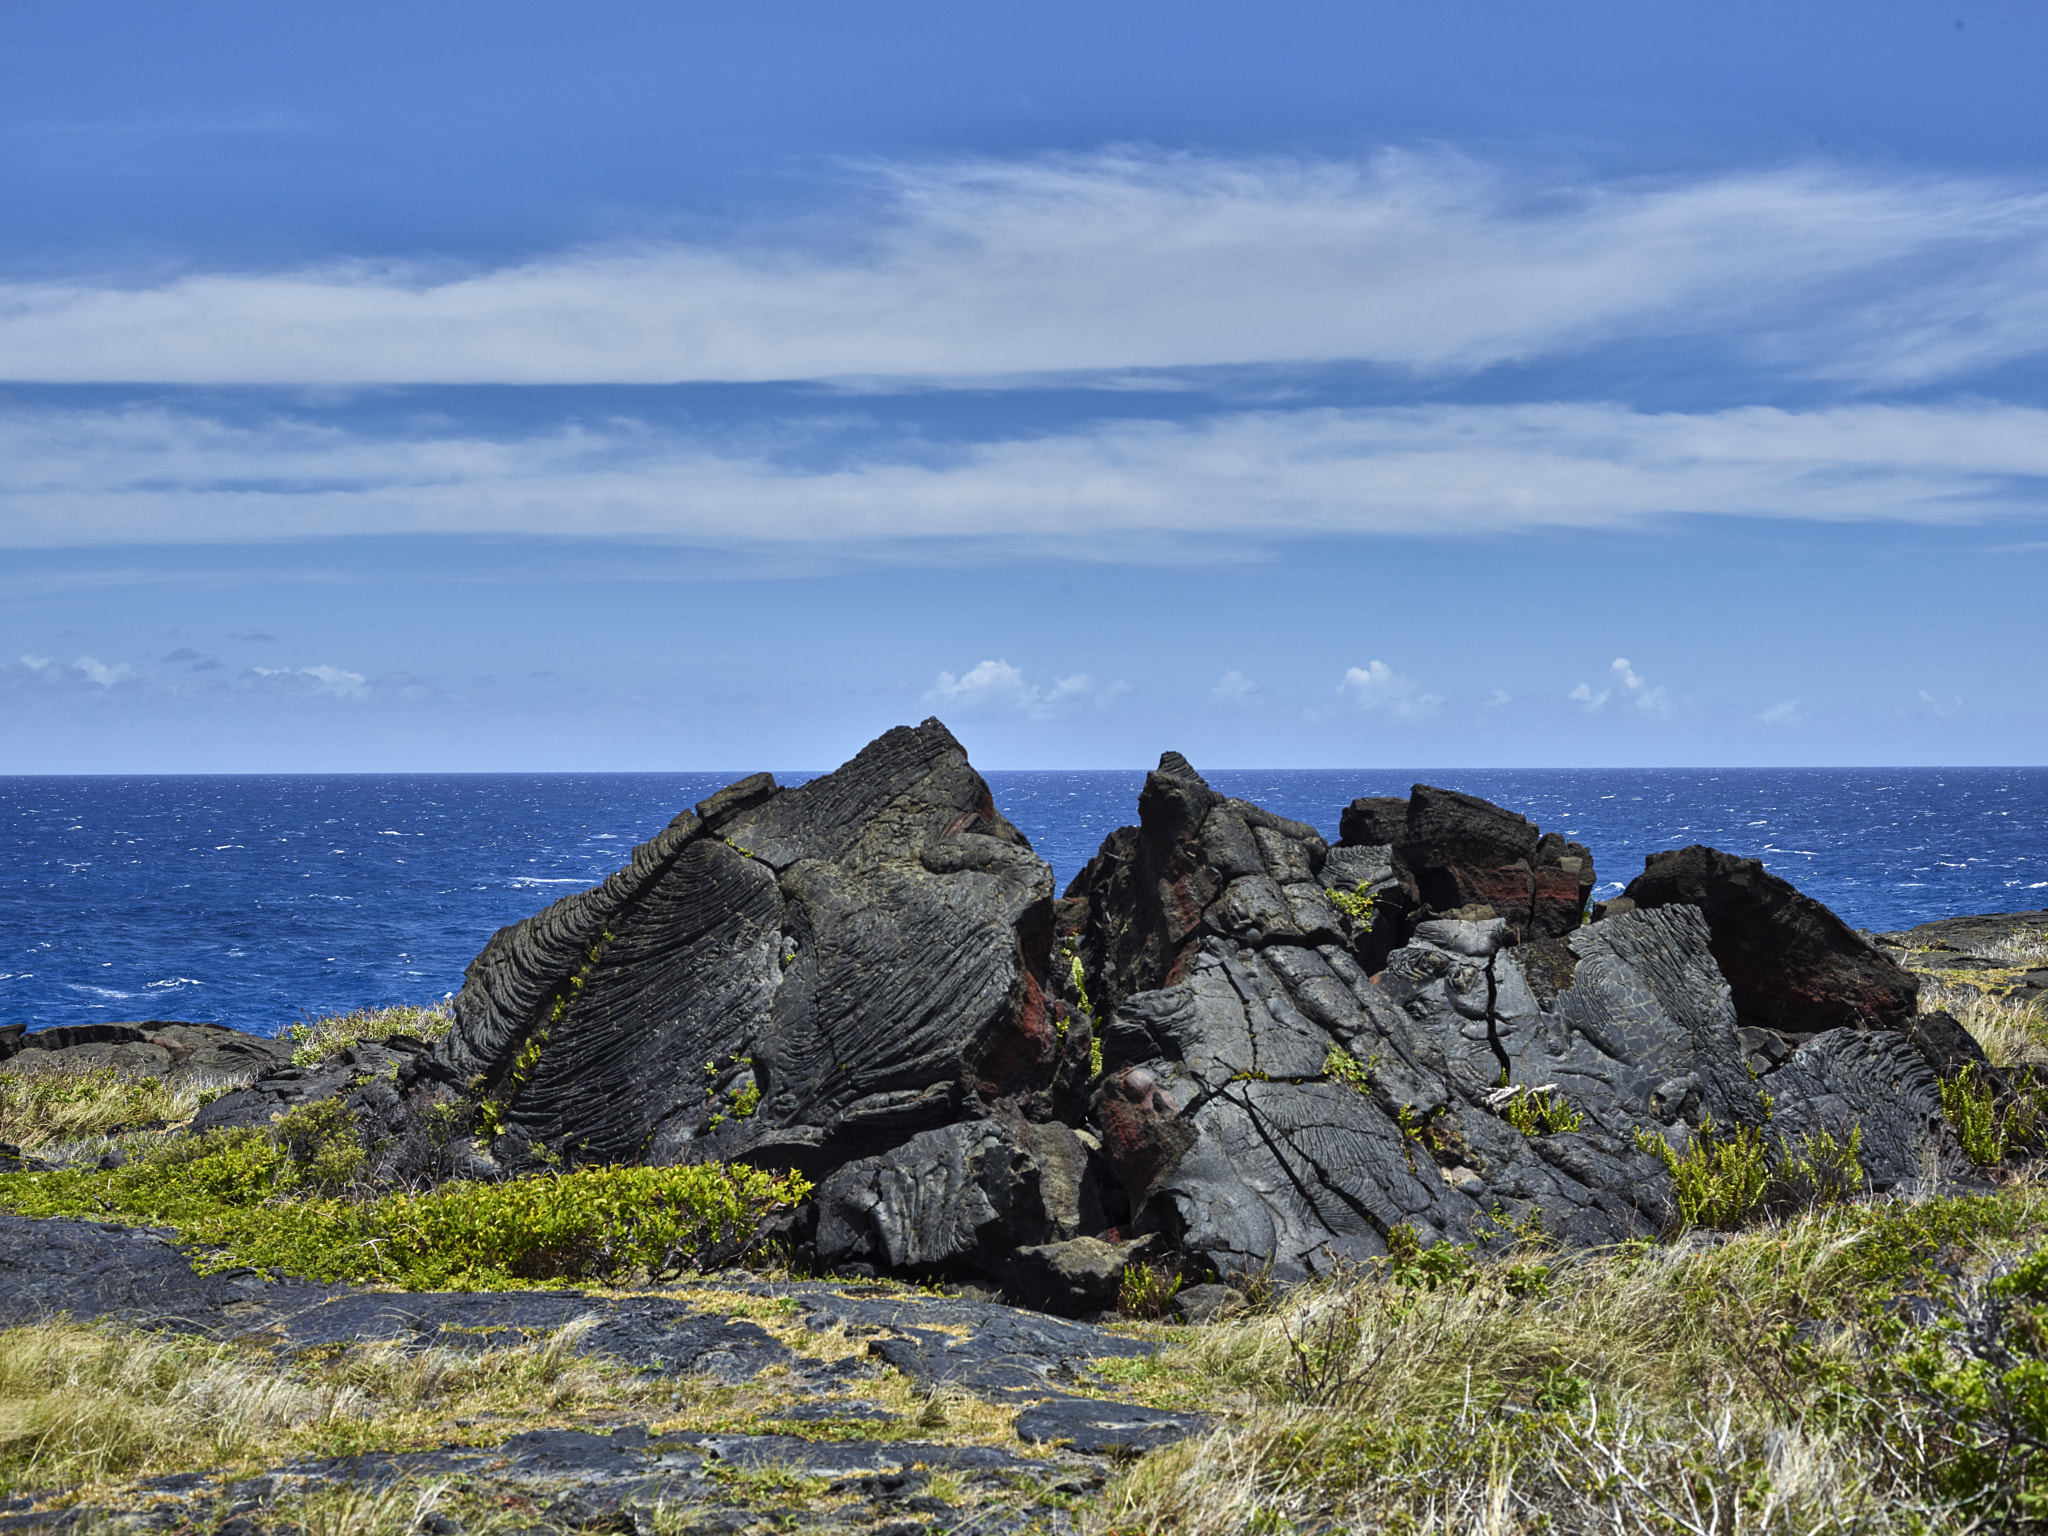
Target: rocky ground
{"points": [[875, 1407]]}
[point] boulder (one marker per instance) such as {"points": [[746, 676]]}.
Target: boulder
{"points": [[960, 1197], [1791, 964], [1074, 1278], [1266, 1103], [183, 1055], [797, 977], [1847, 1080], [1453, 852]]}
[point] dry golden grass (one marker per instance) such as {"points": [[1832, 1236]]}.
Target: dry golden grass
{"points": [[49, 1104], [1642, 1389], [2013, 1033], [317, 1040], [79, 1406]]}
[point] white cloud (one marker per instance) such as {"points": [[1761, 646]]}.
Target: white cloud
{"points": [[1584, 694], [1785, 712], [1637, 691], [1378, 686], [998, 685], [1236, 691], [150, 475], [1133, 260], [33, 671], [1936, 706], [1500, 696]]}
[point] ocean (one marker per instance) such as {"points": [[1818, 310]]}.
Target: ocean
{"points": [[262, 900]]}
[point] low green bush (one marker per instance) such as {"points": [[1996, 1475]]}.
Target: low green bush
{"points": [[1356, 904], [1719, 1177], [1542, 1112], [285, 1198], [1987, 1128]]}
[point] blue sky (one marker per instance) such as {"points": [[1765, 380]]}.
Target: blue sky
{"points": [[447, 386]]}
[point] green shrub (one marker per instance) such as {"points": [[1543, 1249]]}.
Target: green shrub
{"points": [[1720, 1179], [1723, 1179], [1816, 1170], [1541, 1112], [271, 1198], [1987, 1129], [1147, 1290], [1960, 1404], [1356, 904]]}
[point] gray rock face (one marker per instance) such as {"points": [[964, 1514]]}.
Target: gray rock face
{"points": [[963, 1195], [789, 976], [1268, 1101], [1879, 1082]]}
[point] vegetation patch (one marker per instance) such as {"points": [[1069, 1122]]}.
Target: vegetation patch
{"points": [[1540, 1111], [47, 1105], [1356, 904], [318, 1040], [1987, 1128], [1772, 1381], [284, 1197]]}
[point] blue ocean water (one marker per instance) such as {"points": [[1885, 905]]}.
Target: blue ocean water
{"points": [[261, 900]]}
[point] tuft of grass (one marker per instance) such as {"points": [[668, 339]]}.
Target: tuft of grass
{"points": [[46, 1105], [285, 1197], [319, 1040], [2014, 1034], [2022, 947]]}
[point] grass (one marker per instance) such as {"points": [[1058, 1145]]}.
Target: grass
{"points": [[79, 1406], [322, 1039], [1762, 1382], [2014, 1033], [2021, 948], [62, 1109], [86, 1411]]}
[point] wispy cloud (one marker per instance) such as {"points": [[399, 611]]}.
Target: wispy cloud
{"points": [[1378, 686], [1234, 690], [46, 672], [998, 685], [153, 475], [1784, 712], [1134, 260]]}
